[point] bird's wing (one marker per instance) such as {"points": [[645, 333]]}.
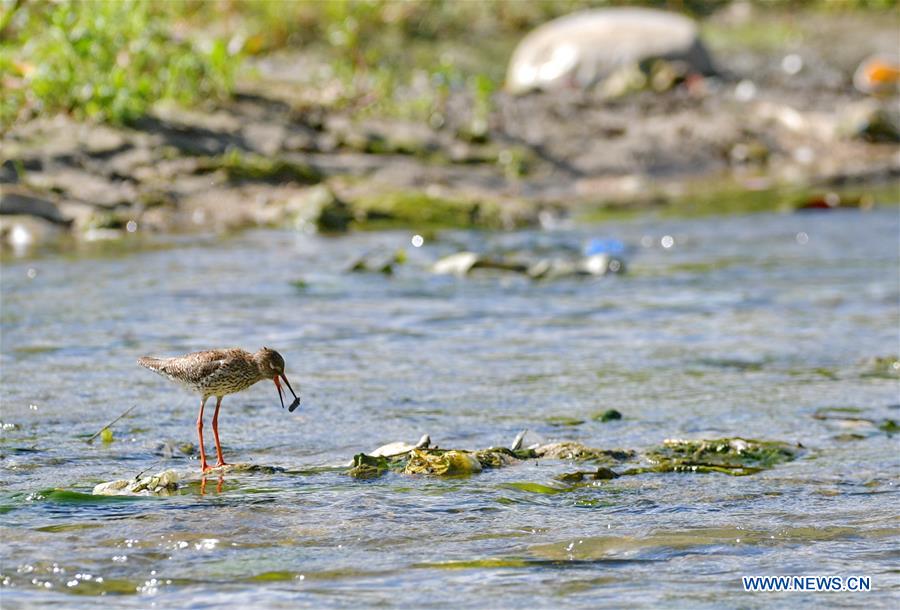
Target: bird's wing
{"points": [[212, 368], [191, 372]]}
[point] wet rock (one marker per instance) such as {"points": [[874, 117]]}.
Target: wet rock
{"points": [[220, 209], [160, 484], [498, 457], [9, 172], [219, 121], [22, 233], [264, 138], [584, 48], [191, 139], [85, 186], [321, 208], [126, 163], [227, 207], [300, 139], [384, 137], [23, 203], [102, 140], [455, 264]]}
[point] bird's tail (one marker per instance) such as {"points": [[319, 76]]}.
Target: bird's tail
{"points": [[154, 364]]}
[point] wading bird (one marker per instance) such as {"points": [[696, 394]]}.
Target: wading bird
{"points": [[219, 372]]}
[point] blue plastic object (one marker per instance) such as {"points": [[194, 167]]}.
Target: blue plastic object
{"points": [[609, 246]]}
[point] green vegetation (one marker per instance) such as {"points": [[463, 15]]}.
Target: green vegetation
{"points": [[241, 167], [608, 415], [112, 60], [715, 197], [423, 211], [368, 466], [104, 60]]}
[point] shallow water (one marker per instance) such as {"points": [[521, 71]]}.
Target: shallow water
{"points": [[743, 327]]}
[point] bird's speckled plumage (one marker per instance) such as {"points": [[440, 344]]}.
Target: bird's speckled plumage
{"points": [[218, 372]]}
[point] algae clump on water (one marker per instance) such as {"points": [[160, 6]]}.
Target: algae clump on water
{"points": [[368, 466], [444, 463], [734, 456]]}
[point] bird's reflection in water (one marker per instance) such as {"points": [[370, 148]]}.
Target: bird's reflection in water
{"points": [[219, 483]]}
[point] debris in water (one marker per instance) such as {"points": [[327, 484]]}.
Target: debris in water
{"points": [[108, 426], [159, 484]]}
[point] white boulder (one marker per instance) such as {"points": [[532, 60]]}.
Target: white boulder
{"points": [[582, 49]]}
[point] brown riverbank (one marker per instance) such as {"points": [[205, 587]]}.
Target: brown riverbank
{"points": [[276, 155]]}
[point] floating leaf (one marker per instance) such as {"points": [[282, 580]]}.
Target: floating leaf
{"points": [[538, 488]]}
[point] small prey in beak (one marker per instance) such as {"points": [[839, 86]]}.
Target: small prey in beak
{"points": [[296, 402]]}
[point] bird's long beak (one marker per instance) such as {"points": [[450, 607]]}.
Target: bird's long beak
{"points": [[296, 402], [280, 391]]}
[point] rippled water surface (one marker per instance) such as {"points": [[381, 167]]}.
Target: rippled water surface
{"points": [[745, 326]]}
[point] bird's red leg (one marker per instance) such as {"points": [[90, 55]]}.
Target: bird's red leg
{"points": [[203, 466], [216, 432]]}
